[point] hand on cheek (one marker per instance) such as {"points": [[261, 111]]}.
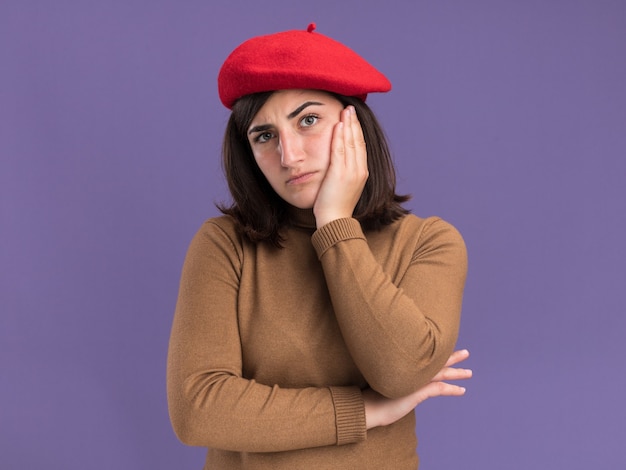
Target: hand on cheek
{"points": [[347, 171]]}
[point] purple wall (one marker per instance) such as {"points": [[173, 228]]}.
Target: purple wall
{"points": [[507, 118]]}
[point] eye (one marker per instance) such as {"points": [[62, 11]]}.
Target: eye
{"points": [[308, 120], [263, 137]]}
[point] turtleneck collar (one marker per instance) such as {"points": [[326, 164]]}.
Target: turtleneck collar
{"points": [[303, 218]]}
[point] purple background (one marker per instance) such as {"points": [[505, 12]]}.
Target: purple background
{"points": [[507, 118]]}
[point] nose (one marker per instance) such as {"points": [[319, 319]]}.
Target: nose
{"points": [[290, 148]]}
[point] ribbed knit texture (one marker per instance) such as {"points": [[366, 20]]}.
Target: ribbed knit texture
{"points": [[270, 348], [348, 403], [339, 230]]}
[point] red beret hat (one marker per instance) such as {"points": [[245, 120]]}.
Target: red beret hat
{"points": [[297, 59]]}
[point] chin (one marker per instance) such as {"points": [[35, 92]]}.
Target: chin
{"points": [[301, 205], [302, 201]]}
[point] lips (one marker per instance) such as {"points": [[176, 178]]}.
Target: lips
{"points": [[300, 178]]}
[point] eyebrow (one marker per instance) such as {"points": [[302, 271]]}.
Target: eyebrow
{"points": [[299, 109], [291, 115]]}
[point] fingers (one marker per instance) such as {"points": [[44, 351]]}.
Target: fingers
{"points": [[347, 172], [339, 144], [443, 389], [453, 373], [349, 143], [457, 356], [355, 141], [338, 148], [436, 389]]}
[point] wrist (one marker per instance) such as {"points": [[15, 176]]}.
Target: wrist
{"points": [[372, 410], [326, 218]]}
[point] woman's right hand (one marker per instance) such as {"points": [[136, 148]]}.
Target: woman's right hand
{"points": [[347, 171], [382, 411]]}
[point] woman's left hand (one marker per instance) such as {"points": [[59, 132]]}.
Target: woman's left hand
{"points": [[347, 171], [382, 411]]}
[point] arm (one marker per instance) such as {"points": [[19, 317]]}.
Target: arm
{"points": [[210, 403], [382, 411], [401, 330]]}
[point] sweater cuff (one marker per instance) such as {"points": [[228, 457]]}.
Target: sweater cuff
{"points": [[349, 414], [334, 232]]}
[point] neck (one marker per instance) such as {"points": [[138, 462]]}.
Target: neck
{"points": [[301, 217]]}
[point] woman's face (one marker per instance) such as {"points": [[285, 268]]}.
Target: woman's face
{"points": [[290, 138]]}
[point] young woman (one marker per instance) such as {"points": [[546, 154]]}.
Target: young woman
{"points": [[316, 313]]}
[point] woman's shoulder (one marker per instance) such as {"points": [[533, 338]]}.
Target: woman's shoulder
{"points": [[429, 224], [220, 230], [225, 223], [432, 230]]}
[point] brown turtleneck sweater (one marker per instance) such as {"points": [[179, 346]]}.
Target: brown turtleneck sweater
{"points": [[270, 348]]}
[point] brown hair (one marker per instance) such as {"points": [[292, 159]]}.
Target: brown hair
{"points": [[261, 213]]}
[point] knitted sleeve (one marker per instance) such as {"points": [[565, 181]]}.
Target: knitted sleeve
{"points": [[398, 309], [210, 403]]}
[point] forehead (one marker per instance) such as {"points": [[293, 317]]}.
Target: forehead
{"points": [[283, 102]]}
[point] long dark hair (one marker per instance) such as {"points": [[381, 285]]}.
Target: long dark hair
{"points": [[261, 213]]}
